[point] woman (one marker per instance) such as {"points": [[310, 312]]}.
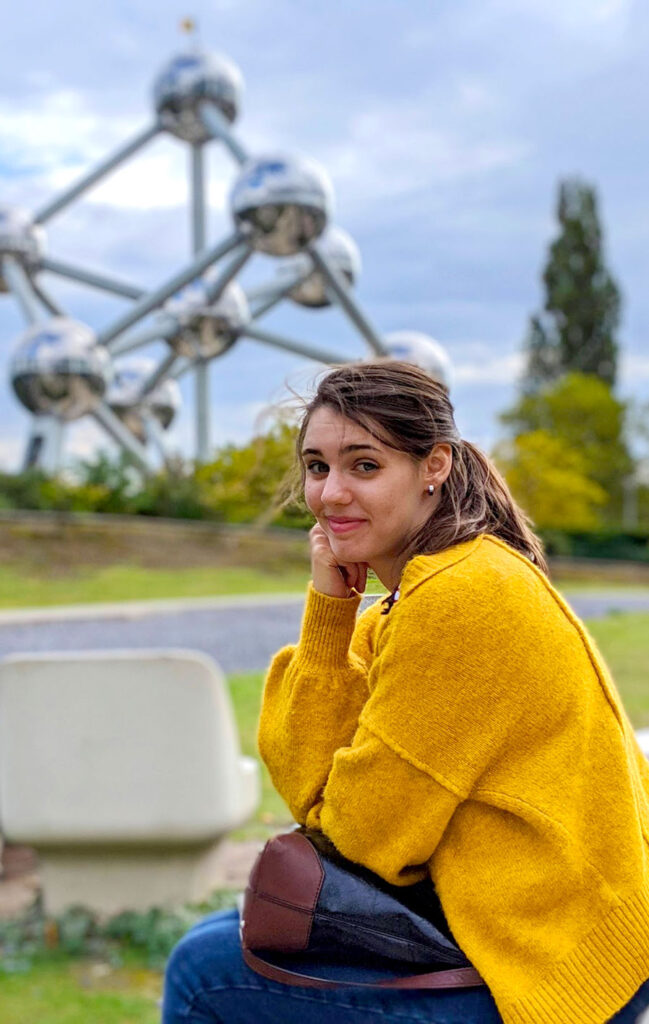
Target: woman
{"points": [[466, 728]]}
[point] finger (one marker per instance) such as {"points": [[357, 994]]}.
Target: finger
{"points": [[362, 577], [351, 574]]}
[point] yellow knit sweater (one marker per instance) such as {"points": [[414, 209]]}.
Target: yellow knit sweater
{"points": [[475, 733]]}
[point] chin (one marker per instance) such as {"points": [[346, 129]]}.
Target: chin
{"points": [[347, 550]]}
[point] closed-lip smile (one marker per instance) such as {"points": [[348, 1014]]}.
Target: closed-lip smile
{"points": [[342, 524]]}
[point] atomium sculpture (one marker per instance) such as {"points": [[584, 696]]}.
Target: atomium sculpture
{"points": [[146, 414], [281, 206], [420, 349]]}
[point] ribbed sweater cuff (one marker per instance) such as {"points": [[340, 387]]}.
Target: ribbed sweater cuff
{"points": [[599, 978], [327, 627]]}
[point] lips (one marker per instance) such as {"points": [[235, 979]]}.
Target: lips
{"points": [[342, 524]]}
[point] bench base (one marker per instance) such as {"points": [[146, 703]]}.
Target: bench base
{"points": [[108, 881]]}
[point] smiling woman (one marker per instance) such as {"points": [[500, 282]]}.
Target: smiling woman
{"points": [[470, 736], [367, 497]]}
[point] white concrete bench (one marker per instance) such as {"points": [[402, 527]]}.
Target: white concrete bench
{"points": [[642, 736], [122, 769]]}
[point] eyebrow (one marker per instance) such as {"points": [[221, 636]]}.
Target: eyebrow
{"points": [[345, 450]]}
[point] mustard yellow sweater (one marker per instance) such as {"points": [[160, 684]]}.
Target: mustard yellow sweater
{"points": [[475, 733]]}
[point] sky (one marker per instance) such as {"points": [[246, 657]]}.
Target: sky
{"points": [[445, 126]]}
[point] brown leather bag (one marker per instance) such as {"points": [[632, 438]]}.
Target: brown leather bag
{"points": [[305, 897]]}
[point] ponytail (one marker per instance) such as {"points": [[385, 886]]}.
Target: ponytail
{"points": [[475, 499]]}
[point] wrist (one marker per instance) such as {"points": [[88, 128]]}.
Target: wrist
{"points": [[327, 626], [330, 584]]}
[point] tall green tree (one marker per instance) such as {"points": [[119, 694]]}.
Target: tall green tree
{"points": [[542, 356], [577, 331]]}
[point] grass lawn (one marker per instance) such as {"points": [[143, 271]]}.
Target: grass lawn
{"points": [[62, 990], [19, 589], [623, 639]]}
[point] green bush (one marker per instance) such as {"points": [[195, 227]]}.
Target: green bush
{"points": [[80, 932], [629, 546], [242, 484]]}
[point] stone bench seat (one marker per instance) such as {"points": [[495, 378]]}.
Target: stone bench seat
{"points": [[122, 769]]}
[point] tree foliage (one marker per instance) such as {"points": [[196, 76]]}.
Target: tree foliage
{"points": [[550, 481], [577, 331], [250, 482], [586, 424], [243, 484]]}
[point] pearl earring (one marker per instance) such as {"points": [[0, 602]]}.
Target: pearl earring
{"points": [[431, 489]]}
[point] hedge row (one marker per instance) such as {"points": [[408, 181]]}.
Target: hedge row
{"points": [[621, 546]]}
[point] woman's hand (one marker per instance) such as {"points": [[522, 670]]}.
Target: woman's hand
{"points": [[330, 576]]}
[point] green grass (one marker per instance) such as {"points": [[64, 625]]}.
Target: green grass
{"points": [[62, 990], [138, 583], [623, 639], [246, 690], [19, 589]]}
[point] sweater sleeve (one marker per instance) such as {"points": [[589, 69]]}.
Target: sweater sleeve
{"points": [[382, 811], [442, 703], [313, 696]]}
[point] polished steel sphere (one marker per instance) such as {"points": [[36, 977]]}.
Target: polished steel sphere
{"points": [[341, 252], [207, 329], [423, 351], [165, 402], [59, 369], [124, 396], [189, 80], [19, 237], [287, 201]]}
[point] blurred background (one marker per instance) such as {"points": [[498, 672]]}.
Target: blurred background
{"points": [[488, 160]]}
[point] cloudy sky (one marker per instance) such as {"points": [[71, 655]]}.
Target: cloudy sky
{"points": [[444, 124]]}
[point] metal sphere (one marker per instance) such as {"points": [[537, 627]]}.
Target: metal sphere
{"points": [[207, 329], [190, 79], [124, 396], [423, 351], [342, 253], [20, 237], [287, 201], [59, 369]]}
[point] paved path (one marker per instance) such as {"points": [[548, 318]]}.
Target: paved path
{"points": [[241, 634]]}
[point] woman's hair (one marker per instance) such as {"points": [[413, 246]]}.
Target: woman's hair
{"points": [[406, 409]]}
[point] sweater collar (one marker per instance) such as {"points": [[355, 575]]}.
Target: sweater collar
{"points": [[423, 567]]}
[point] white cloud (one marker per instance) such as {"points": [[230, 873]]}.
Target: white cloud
{"points": [[494, 370], [388, 150], [573, 15], [58, 128], [60, 137], [11, 453], [634, 368], [84, 438]]}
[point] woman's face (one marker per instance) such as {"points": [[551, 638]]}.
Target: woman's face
{"points": [[366, 496]]}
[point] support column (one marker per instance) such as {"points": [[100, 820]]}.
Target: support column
{"points": [[45, 445], [201, 373]]}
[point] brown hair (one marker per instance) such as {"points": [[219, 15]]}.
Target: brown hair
{"points": [[406, 409]]}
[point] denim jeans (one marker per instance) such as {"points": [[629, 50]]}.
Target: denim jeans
{"points": [[207, 982]]}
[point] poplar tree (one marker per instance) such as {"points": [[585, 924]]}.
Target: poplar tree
{"points": [[577, 331]]}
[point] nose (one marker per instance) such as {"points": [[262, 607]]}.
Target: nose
{"points": [[334, 490]]}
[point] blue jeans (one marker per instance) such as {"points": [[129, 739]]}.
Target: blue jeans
{"points": [[207, 982]]}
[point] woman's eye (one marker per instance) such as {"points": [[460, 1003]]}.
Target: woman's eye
{"points": [[366, 467], [317, 467]]}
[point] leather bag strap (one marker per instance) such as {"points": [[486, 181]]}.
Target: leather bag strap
{"points": [[460, 977]]}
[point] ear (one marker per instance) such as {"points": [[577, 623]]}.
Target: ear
{"points": [[437, 465]]}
